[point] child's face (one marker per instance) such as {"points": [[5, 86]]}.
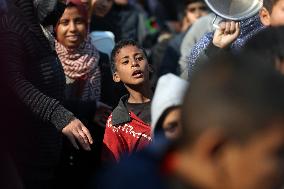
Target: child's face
{"points": [[131, 66], [171, 124], [195, 10], [277, 14], [276, 17], [72, 28], [256, 164]]}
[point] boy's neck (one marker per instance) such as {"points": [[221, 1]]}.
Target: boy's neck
{"points": [[139, 94]]}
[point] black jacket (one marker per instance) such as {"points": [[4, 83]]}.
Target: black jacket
{"points": [[32, 92]]}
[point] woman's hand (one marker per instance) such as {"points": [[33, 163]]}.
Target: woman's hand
{"points": [[77, 132], [226, 34]]}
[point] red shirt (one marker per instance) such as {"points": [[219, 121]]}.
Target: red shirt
{"points": [[125, 138]]}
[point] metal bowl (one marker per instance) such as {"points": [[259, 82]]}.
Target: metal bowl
{"points": [[235, 9]]}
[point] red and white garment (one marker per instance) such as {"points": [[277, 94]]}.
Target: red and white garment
{"points": [[82, 64]]}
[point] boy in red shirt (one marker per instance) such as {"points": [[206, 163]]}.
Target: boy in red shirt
{"points": [[128, 128]]}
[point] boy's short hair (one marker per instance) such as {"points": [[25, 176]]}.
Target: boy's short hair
{"points": [[237, 95], [118, 46], [269, 4]]}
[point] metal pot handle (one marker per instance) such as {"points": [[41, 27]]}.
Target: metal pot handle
{"points": [[216, 21]]}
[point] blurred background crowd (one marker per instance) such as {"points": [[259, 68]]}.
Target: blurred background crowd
{"points": [[142, 94]]}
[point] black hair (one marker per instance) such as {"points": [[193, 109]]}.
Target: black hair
{"points": [[187, 2], [269, 4], [182, 8], [238, 95], [268, 44], [118, 46]]}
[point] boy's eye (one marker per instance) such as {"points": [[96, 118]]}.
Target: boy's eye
{"points": [[140, 58], [125, 62]]}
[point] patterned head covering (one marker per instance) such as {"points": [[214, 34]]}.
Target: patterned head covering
{"points": [[249, 27], [81, 63]]}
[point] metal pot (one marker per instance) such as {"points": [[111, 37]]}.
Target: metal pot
{"points": [[235, 9]]}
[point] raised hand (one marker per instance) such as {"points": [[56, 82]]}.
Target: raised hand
{"points": [[226, 34]]}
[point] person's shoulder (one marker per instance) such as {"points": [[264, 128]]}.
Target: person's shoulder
{"points": [[120, 114]]}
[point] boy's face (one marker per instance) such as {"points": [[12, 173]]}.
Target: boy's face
{"points": [[256, 164], [277, 14], [276, 17], [132, 67]]}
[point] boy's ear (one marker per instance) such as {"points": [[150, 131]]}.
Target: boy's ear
{"points": [[208, 152], [116, 77], [211, 143], [264, 16]]}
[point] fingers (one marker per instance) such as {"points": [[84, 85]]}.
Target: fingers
{"points": [[232, 27], [87, 133], [73, 141], [83, 136], [222, 26], [81, 141], [238, 28], [229, 27]]}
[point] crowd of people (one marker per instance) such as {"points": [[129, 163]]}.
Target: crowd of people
{"points": [[140, 93]]}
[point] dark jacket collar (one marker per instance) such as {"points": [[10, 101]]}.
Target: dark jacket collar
{"points": [[120, 114]]}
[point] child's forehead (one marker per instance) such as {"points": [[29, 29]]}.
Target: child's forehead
{"points": [[129, 49]]}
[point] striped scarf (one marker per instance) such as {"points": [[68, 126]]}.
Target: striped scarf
{"points": [[82, 64]]}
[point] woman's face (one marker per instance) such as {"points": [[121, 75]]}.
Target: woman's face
{"points": [[72, 28]]}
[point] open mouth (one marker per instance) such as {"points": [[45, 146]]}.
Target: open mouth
{"points": [[137, 74]]}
